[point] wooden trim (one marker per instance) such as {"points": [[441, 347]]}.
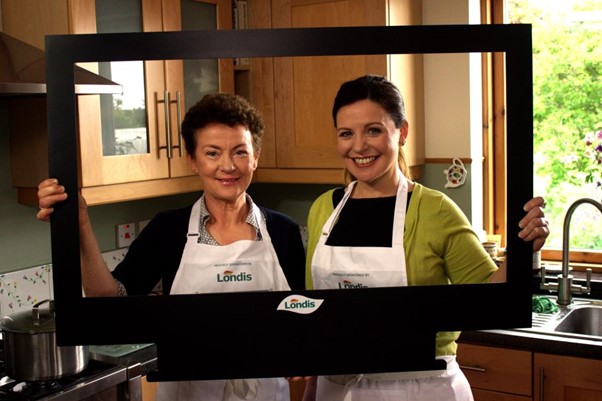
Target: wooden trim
{"points": [[447, 160], [299, 176], [575, 257], [499, 130], [487, 134], [115, 193]]}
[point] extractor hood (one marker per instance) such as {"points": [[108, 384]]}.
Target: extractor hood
{"points": [[23, 72]]}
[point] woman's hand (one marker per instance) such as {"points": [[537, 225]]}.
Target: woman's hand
{"points": [[50, 192], [534, 226]]}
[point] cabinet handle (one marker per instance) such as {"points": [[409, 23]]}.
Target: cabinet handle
{"points": [[474, 368], [179, 111], [166, 104], [542, 376]]}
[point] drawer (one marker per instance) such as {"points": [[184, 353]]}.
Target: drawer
{"points": [[497, 369]]}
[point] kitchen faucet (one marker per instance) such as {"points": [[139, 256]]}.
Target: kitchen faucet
{"points": [[565, 286]]}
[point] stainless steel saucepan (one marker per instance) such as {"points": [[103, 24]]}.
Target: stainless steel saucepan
{"points": [[30, 350]]}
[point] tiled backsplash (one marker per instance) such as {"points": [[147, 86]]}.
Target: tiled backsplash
{"points": [[20, 290]]}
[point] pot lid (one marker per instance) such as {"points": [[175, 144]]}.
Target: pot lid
{"points": [[34, 321]]}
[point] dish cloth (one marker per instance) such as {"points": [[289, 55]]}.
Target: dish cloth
{"points": [[543, 305]]}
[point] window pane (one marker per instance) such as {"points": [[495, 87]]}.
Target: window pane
{"points": [[567, 65], [200, 76], [124, 129]]}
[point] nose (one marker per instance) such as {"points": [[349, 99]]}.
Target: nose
{"points": [[226, 163], [359, 143]]}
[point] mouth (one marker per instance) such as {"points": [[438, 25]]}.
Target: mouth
{"points": [[227, 181], [364, 161]]}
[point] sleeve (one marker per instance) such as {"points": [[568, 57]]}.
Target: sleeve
{"points": [[440, 244], [286, 238], [155, 254], [466, 261], [319, 212]]}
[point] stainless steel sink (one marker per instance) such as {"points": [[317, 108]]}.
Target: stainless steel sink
{"points": [[585, 320], [582, 319]]}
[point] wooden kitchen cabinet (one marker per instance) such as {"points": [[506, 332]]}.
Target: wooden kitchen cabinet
{"points": [[149, 389], [159, 167], [563, 378], [497, 374], [296, 94]]}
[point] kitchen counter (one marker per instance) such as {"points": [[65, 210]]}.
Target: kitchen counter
{"points": [[535, 342], [146, 357]]}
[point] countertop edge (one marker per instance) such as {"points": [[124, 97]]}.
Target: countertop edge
{"points": [[534, 342]]}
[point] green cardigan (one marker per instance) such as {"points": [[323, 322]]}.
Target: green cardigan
{"points": [[440, 246]]}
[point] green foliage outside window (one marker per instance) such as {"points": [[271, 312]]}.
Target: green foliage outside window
{"points": [[567, 71]]}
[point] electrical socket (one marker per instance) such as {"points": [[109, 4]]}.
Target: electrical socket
{"points": [[125, 234]]}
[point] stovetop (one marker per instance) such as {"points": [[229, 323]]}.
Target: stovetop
{"points": [[96, 377]]}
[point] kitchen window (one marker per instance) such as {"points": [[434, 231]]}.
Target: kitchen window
{"points": [[567, 121]]}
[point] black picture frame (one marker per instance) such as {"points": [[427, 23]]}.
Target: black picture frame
{"points": [[212, 336]]}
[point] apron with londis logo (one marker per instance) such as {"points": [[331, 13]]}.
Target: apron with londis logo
{"points": [[246, 265], [348, 267]]}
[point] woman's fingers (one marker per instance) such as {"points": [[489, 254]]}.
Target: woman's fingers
{"points": [[49, 193]]}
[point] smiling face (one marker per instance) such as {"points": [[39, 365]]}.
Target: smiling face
{"points": [[368, 142], [225, 161]]}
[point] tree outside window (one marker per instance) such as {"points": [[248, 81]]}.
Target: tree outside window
{"points": [[567, 70]]}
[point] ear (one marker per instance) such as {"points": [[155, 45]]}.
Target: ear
{"points": [[255, 161], [191, 163], [403, 133]]}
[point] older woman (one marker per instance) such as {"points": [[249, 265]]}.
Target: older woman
{"points": [[188, 248]]}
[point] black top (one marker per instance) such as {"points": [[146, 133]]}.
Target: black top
{"points": [[363, 222], [155, 254]]}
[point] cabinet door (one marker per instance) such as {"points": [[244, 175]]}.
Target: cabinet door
{"points": [[156, 93], [484, 395], [563, 378], [187, 81], [305, 87], [119, 138], [496, 370]]}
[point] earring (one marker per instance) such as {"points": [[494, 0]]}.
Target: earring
{"points": [[403, 143]]}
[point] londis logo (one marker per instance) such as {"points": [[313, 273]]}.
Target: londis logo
{"points": [[300, 304], [346, 284], [228, 276]]}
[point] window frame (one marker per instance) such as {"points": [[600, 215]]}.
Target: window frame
{"points": [[495, 207]]}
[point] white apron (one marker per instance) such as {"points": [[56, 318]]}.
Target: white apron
{"points": [[356, 267], [246, 265]]}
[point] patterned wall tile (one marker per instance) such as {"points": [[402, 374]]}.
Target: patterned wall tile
{"points": [[112, 258], [22, 289]]}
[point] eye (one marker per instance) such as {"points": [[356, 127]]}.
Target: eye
{"points": [[374, 131], [211, 154], [241, 153], [344, 134]]}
